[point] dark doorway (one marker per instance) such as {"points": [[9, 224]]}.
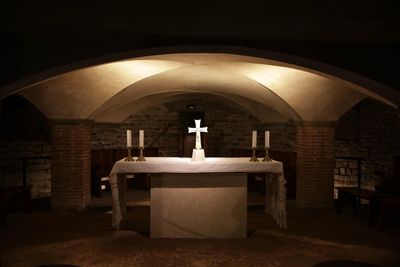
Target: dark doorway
{"points": [[187, 140]]}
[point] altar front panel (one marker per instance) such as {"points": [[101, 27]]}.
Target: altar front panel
{"points": [[275, 198], [199, 205]]}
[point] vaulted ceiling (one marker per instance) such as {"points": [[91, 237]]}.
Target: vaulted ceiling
{"points": [[269, 89], [37, 37]]}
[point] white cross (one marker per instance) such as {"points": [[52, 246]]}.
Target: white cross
{"points": [[198, 130]]}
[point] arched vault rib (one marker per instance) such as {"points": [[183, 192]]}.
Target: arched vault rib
{"points": [[212, 54], [198, 79], [82, 91], [312, 96], [262, 113], [270, 59]]}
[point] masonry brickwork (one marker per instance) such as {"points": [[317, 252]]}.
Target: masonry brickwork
{"points": [[70, 173], [315, 163], [377, 143], [154, 121], [36, 154], [229, 128]]}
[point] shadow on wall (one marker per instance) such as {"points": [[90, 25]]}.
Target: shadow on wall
{"points": [[25, 151], [20, 120]]}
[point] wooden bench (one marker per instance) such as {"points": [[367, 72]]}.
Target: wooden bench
{"points": [[385, 197], [11, 194], [355, 194]]}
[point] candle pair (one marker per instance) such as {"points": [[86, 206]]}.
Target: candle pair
{"points": [[254, 139], [129, 138]]}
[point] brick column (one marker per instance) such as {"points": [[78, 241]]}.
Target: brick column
{"points": [[70, 170], [315, 163]]}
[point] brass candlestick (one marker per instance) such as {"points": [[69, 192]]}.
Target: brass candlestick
{"points": [[254, 157], [141, 157], [129, 157], [267, 158]]}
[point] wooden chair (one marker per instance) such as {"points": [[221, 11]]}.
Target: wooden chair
{"points": [[354, 194]]}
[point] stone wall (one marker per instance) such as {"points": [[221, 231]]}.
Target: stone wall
{"points": [[282, 136], [229, 127], [347, 170], [154, 121], [24, 134], [378, 142], [70, 167], [379, 135], [38, 165], [315, 154]]}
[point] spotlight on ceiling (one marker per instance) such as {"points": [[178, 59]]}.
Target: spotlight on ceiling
{"points": [[191, 107]]}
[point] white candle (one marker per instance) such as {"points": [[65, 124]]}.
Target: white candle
{"points": [[254, 140], [141, 138], [129, 138], [266, 138]]}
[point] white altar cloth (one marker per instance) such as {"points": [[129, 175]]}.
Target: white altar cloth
{"points": [[275, 181]]}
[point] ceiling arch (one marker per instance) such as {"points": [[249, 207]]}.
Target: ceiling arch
{"points": [[257, 110], [198, 79], [270, 81], [352, 80]]}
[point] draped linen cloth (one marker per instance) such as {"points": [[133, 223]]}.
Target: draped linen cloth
{"points": [[275, 181]]}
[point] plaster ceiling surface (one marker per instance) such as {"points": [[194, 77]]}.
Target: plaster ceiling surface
{"points": [[197, 79], [76, 94], [261, 112], [110, 92]]}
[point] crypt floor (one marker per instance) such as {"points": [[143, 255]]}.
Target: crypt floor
{"points": [[318, 238]]}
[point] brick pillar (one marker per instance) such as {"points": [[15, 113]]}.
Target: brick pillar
{"points": [[315, 164], [70, 165]]}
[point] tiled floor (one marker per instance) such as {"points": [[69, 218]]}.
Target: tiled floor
{"points": [[314, 238]]}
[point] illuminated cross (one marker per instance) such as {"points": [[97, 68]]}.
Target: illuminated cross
{"points": [[198, 130]]}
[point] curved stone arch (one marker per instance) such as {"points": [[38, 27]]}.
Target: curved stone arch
{"points": [[367, 86], [250, 106], [196, 84]]}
